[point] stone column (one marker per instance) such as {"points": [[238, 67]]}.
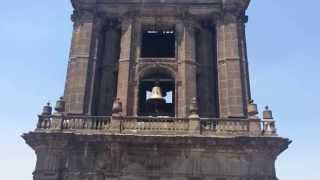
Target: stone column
{"points": [[242, 30], [187, 66], [97, 45], [137, 41], [207, 79], [108, 68], [231, 76], [124, 63], [81, 63]]}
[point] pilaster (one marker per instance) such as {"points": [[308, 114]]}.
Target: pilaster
{"points": [[233, 93], [125, 63], [246, 81], [187, 66], [108, 67], [137, 41], [81, 62]]}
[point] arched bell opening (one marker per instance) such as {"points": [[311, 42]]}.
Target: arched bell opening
{"points": [[156, 93]]}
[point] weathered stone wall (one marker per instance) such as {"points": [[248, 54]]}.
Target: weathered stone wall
{"points": [[100, 157]]}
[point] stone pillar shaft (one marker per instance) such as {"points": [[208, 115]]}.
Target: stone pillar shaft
{"points": [[232, 91], [187, 67], [124, 63], [247, 90], [81, 64], [137, 41], [107, 70]]}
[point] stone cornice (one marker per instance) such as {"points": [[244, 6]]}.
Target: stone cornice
{"points": [[121, 7], [228, 17], [241, 3], [52, 141], [272, 145]]}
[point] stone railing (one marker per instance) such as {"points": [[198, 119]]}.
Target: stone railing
{"points": [[152, 125], [224, 126], [62, 122]]}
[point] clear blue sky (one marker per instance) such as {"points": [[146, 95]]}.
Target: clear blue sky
{"points": [[283, 45]]}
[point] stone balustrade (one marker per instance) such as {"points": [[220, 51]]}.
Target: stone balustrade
{"points": [[70, 122], [152, 125], [224, 126]]}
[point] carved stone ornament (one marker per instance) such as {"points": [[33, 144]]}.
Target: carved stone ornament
{"points": [[252, 108], [117, 106], [194, 108], [47, 109], [60, 105]]}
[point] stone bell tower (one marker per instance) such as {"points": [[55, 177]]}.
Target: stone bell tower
{"points": [[157, 90]]}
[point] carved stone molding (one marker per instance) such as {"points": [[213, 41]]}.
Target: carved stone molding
{"points": [[208, 23], [235, 5], [232, 17], [143, 68], [112, 24], [82, 16]]}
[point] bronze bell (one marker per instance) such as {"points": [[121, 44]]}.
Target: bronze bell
{"points": [[156, 92], [155, 103]]}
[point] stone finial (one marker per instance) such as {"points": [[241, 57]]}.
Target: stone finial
{"points": [[60, 105], [193, 108], [267, 113], [117, 106], [269, 126], [47, 110], [252, 109]]}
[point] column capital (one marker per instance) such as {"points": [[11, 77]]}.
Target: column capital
{"points": [[83, 16], [231, 17], [110, 23], [208, 23], [187, 19], [130, 15]]}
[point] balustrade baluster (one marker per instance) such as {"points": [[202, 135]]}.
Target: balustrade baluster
{"points": [[99, 123]]}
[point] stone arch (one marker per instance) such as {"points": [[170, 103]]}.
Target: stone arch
{"points": [[161, 68], [166, 76]]}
